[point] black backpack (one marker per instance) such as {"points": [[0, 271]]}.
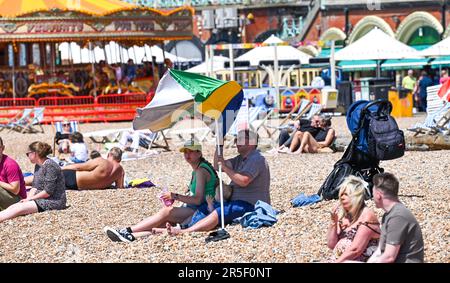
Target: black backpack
{"points": [[385, 140], [330, 188]]}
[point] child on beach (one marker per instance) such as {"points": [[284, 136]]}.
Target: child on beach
{"points": [[78, 149]]}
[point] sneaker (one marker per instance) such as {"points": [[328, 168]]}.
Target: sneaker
{"points": [[121, 235]]}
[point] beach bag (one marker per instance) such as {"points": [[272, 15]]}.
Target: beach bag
{"points": [[330, 188], [385, 140]]}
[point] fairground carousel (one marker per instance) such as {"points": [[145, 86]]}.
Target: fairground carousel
{"points": [[31, 32]]}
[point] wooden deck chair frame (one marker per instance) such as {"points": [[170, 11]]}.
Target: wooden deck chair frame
{"points": [[28, 125], [152, 141], [20, 118], [297, 108], [253, 116]]}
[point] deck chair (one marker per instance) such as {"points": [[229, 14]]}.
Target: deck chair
{"points": [[253, 114], [315, 109], [59, 129], [261, 123], [434, 122], [20, 118], [153, 140], [30, 125], [297, 112]]}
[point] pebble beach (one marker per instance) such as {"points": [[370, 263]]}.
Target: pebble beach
{"points": [[75, 234]]}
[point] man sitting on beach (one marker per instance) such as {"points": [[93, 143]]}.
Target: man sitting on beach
{"points": [[250, 181], [96, 174]]}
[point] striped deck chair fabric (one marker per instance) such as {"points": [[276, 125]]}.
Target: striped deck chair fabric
{"points": [[19, 119]]}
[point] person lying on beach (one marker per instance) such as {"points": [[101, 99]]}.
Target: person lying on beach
{"points": [[96, 174], [354, 229], [47, 192], [12, 184], [322, 140], [250, 181], [287, 141], [202, 186]]}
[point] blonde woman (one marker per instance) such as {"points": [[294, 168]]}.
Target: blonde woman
{"points": [[354, 229]]}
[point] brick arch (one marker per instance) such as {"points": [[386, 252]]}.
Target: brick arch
{"points": [[414, 21], [366, 24], [333, 34]]}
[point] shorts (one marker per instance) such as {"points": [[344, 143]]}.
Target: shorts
{"points": [[232, 209], [40, 209], [70, 178]]}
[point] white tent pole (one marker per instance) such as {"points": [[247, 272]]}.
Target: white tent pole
{"points": [[208, 73], [211, 60], [275, 79], [13, 75], [93, 69], [333, 65], [220, 175], [230, 49]]}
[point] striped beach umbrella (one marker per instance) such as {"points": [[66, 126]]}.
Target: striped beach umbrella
{"points": [[181, 92]]}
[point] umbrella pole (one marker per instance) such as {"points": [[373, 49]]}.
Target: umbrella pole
{"points": [[220, 234], [220, 176]]}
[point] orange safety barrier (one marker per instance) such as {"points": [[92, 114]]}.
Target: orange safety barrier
{"points": [[17, 102], [72, 100], [104, 108]]}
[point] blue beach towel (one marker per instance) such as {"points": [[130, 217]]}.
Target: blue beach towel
{"points": [[263, 215], [303, 200]]}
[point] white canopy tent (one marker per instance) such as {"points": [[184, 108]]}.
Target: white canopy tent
{"points": [[218, 64], [441, 48], [266, 53], [377, 45], [114, 53]]}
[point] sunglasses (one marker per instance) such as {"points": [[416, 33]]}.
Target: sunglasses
{"points": [[28, 153], [66, 125]]}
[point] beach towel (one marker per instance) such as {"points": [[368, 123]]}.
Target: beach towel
{"points": [[263, 215], [140, 183], [303, 200]]}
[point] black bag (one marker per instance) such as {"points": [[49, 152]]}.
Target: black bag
{"points": [[385, 140], [330, 188]]}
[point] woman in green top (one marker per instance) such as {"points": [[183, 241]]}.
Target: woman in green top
{"points": [[202, 186]]}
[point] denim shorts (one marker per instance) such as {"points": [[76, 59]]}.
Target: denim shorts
{"points": [[232, 209]]}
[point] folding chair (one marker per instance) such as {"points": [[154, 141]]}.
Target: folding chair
{"points": [[148, 141], [21, 118], [59, 129], [28, 125], [253, 115], [301, 108], [314, 110], [261, 123], [434, 122]]}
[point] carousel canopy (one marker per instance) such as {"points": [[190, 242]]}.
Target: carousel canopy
{"points": [[91, 20], [17, 8]]}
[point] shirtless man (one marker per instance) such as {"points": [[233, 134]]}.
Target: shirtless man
{"points": [[96, 174]]}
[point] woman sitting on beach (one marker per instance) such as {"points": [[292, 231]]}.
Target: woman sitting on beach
{"points": [[202, 186], [323, 139], [354, 230], [48, 189]]}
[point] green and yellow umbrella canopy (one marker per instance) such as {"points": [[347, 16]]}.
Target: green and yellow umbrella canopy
{"points": [[180, 91]]}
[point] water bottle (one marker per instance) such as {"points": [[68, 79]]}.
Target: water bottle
{"points": [[166, 202]]}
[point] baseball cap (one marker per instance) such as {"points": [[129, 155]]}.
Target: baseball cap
{"points": [[191, 145]]}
